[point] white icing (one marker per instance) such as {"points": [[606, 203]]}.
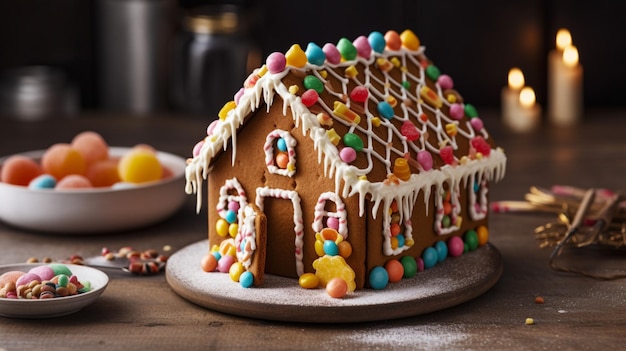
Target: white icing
{"points": [[340, 214], [247, 233]]}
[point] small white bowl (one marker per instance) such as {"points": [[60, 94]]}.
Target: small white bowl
{"points": [[58, 306], [94, 210]]}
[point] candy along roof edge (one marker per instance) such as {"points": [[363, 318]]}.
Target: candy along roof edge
{"points": [[265, 82]]}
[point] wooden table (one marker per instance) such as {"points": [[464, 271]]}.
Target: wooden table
{"points": [[134, 312]]}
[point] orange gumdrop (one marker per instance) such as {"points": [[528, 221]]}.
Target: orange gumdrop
{"points": [[74, 181], [103, 173], [61, 160], [19, 170], [91, 146]]}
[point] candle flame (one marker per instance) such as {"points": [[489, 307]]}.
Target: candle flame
{"points": [[516, 78], [570, 56], [563, 39], [527, 97]]}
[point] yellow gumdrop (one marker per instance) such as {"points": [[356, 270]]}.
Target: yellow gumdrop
{"points": [[233, 229], [483, 235], [296, 57], [410, 40], [319, 247], [309, 281], [329, 267], [235, 271], [221, 227], [139, 166], [226, 108]]}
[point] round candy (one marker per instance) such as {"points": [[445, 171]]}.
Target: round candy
{"points": [[385, 109], [477, 124], [331, 248], [139, 166], [233, 229], [346, 49], [378, 278], [238, 95], [430, 257], [223, 265], [282, 160], [60, 160], [410, 40], [395, 270], [359, 94], [377, 41], [221, 227], [337, 288], [333, 55], [392, 38], [211, 127], [235, 271], [44, 181], [432, 72], [281, 144], [409, 265], [103, 173], [445, 82], [471, 239], [401, 240], [209, 263], [276, 62], [312, 82], [442, 251], [354, 141], [309, 281], [230, 216], [315, 54], [91, 146], [425, 159], [310, 97], [362, 46], [345, 249], [332, 222], [19, 170], [457, 111], [455, 246], [471, 111], [73, 181], [246, 279], [347, 154], [197, 148], [233, 206], [483, 235], [10, 277]]}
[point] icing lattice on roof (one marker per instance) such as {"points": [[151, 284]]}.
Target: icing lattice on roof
{"points": [[371, 104]]}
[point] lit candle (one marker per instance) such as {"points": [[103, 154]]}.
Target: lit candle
{"points": [[510, 96], [529, 114], [565, 78]]}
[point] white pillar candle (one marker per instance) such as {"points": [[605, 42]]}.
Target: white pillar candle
{"points": [[565, 78], [529, 117], [510, 97]]}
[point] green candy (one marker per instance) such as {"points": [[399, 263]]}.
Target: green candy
{"points": [[346, 49], [471, 239], [312, 82], [432, 72], [354, 141], [471, 111], [410, 266], [59, 268]]}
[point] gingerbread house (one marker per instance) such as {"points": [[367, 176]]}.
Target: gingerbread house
{"points": [[353, 154]]}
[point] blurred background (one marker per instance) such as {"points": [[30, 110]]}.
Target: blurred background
{"points": [[190, 56]]}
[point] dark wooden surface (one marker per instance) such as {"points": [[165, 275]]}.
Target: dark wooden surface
{"points": [[134, 312]]}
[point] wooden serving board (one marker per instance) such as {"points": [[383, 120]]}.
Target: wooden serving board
{"points": [[452, 282]]}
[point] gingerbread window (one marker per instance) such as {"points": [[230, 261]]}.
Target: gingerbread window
{"points": [[280, 153], [447, 219], [397, 229], [330, 212], [478, 197], [230, 207]]}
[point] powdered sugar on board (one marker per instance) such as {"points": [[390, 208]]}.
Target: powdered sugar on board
{"points": [[452, 282]]}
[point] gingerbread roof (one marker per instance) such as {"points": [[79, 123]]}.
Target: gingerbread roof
{"points": [[383, 118]]}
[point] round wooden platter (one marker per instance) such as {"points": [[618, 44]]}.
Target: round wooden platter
{"points": [[452, 282]]}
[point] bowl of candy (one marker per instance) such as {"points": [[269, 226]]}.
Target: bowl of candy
{"points": [[87, 186], [33, 290]]}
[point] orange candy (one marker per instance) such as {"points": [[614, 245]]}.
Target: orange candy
{"points": [[209, 263], [74, 181], [337, 288], [103, 173], [61, 160], [19, 170], [395, 270], [91, 146]]}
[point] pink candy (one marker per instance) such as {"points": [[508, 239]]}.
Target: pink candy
{"points": [[347, 154], [362, 46], [445, 82], [425, 159], [332, 222], [211, 127], [276, 62], [332, 53], [238, 95], [223, 265], [457, 111], [197, 148], [477, 124], [455, 246]]}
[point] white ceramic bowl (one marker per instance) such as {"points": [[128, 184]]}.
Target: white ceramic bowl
{"points": [[59, 306], [96, 210]]}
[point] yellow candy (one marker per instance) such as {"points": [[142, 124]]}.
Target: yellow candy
{"points": [[293, 89], [384, 64], [225, 109], [396, 61], [394, 243], [376, 121], [296, 57], [227, 248], [221, 227], [324, 73], [410, 40], [401, 169], [333, 136], [483, 235], [235, 271], [309, 281], [351, 72], [409, 242], [139, 166], [451, 129], [329, 267], [324, 119], [215, 248], [319, 248], [342, 111], [392, 101], [262, 71], [233, 229], [430, 97]]}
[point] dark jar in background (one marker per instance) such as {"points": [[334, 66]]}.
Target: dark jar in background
{"points": [[212, 58]]}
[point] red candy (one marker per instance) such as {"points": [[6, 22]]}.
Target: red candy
{"points": [[447, 154], [481, 145], [359, 94], [19, 170], [310, 97], [410, 132]]}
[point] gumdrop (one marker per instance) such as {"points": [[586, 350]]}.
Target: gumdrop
{"points": [[103, 173], [139, 166], [91, 146], [19, 170], [61, 160], [74, 181]]}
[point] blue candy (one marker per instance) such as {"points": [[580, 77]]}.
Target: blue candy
{"points": [[44, 181], [377, 41], [385, 109], [442, 251], [281, 144], [429, 256], [315, 54], [230, 216], [378, 278], [330, 248], [246, 279]]}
